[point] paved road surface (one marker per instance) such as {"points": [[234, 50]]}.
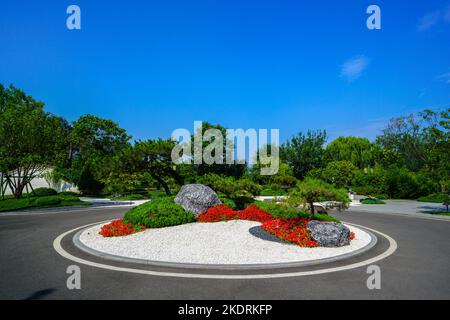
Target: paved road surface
{"points": [[31, 269]]}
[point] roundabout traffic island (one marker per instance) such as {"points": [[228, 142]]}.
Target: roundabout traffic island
{"points": [[195, 230]]}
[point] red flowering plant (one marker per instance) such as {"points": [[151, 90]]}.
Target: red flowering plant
{"points": [[288, 229], [223, 213], [292, 230], [254, 213], [118, 228]]}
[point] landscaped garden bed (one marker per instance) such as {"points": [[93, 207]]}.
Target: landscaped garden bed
{"points": [[200, 203], [233, 242], [42, 198]]}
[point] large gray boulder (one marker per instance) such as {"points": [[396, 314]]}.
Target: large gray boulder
{"points": [[197, 198], [329, 234]]}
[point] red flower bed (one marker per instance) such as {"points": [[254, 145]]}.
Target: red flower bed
{"points": [[118, 228], [218, 213], [254, 213], [291, 230], [223, 213]]}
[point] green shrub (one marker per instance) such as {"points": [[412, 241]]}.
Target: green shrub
{"points": [[371, 201], [325, 217], [42, 192], [68, 193], [435, 197], [243, 201], [241, 191], [131, 197], [229, 202], [88, 184], [160, 212], [281, 211], [47, 201], [271, 191], [157, 193]]}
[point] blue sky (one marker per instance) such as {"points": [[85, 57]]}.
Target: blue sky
{"points": [[155, 66]]}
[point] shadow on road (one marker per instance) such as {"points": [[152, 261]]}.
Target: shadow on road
{"points": [[40, 294]]}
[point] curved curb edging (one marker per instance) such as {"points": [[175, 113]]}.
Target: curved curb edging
{"points": [[234, 267], [390, 250]]}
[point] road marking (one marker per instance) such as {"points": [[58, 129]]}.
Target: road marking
{"points": [[57, 246]]}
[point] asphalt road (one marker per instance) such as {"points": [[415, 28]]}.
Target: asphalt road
{"points": [[30, 268]]}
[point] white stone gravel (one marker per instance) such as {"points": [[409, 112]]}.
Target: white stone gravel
{"points": [[228, 242]]}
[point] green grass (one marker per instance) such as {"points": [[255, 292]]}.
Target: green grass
{"points": [[40, 202], [443, 213], [435, 197]]}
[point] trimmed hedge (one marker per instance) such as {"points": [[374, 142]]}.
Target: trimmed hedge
{"points": [[47, 201], [40, 202], [68, 193], [371, 201], [158, 213], [42, 192], [435, 197]]}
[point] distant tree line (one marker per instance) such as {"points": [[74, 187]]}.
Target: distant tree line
{"points": [[409, 159]]}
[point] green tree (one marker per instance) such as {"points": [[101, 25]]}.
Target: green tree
{"points": [[283, 179], [241, 191], [359, 151], [419, 142], [32, 140], [230, 170], [313, 190], [339, 173], [151, 157], [304, 152], [93, 143]]}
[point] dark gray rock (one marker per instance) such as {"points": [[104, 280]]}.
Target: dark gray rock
{"points": [[197, 198], [329, 234]]}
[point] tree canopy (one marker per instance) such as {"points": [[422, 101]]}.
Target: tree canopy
{"points": [[32, 139]]}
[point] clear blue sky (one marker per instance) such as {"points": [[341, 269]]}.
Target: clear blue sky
{"points": [[155, 66]]}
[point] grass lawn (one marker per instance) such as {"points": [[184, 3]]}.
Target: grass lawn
{"points": [[435, 197], [443, 213], [40, 202]]}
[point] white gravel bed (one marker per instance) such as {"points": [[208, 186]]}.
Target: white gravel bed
{"points": [[228, 242]]}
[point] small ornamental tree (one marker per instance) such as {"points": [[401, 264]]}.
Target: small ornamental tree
{"points": [[312, 190], [241, 191]]}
